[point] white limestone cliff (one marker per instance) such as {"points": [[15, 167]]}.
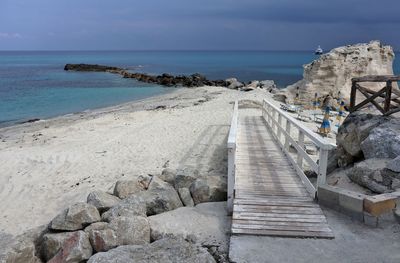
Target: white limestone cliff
{"points": [[333, 71]]}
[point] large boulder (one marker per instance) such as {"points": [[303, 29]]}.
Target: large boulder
{"points": [[22, 249], [102, 200], [159, 200], [125, 188], [75, 217], [333, 71], [168, 175], [185, 177], [161, 251], [233, 83], [66, 247], [186, 197], [354, 130], [75, 248], [129, 207], [131, 230], [269, 85], [206, 224], [383, 141], [209, 189], [374, 175], [102, 237]]}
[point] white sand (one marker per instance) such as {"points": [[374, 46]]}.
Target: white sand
{"points": [[48, 165]]}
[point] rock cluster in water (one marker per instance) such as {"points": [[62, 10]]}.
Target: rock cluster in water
{"points": [[168, 80], [177, 216], [371, 143], [333, 71]]}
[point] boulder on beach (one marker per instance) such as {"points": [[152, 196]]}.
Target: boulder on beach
{"points": [[129, 207], [75, 217], [164, 250], [102, 200], [125, 188], [209, 189], [206, 224], [101, 236], [66, 247]]}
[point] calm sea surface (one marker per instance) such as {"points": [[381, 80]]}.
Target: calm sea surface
{"points": [[34, 84]]}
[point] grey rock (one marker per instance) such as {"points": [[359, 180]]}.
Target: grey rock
{"points": [[209, 189], [395, 183], [125, 188], [370, 174], [206, 224], [159, 201], [268, 84], [280, 97], [394, 165], [129, 207], [396, 213], [75, 217], [185, 196], [52, 243], [354, 130], [131, 230], [344, 159], [75, 248], [22, 249], [102, 200], [102, 237], [168, 175], [233, 83], [168, 250], [383, 141], [185, 177], [332, 161]]}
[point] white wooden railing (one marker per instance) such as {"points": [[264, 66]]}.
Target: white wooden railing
{"points": [[283, 126], [231, 156]]}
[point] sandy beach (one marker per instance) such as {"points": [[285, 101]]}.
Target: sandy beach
{"points": [[48, 165]]}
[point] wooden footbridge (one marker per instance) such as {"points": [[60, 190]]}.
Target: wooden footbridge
{"points": [[268, 192]]}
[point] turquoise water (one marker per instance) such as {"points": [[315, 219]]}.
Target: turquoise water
{"points": [[34, 84]]}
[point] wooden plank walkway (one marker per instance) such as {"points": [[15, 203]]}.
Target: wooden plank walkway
{"points": [[270, 198]]}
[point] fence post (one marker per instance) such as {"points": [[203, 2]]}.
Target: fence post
{"points": [[301, 144], [353, 95], [279, 127], [288, 131], [388, 96], [323, 165], [231, 177]]}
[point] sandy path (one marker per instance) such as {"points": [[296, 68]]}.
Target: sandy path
{"points": [[48, 165]]}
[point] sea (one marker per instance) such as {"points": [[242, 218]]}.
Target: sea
{"points": [[34, 85]]}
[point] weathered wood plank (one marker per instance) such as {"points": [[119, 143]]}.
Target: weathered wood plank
{"points": [[281, 233]]}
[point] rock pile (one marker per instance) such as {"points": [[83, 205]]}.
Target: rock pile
{"points": [[372, 144], [168, 80], [137, 223]]}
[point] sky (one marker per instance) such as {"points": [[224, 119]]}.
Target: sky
{"points": [[196, 25]]}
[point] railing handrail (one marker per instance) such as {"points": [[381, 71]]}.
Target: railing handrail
{"points": [[318, 140], [233, 128]]}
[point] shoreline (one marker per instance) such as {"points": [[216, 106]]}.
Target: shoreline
{"points": [[87, 111]]}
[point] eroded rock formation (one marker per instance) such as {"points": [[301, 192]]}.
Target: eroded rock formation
{"points": [[333, 71]]}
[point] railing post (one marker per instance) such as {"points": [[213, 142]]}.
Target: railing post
{"points": [[279, 126], [301, 144], [288, 132], [273, 120], [388, 96], [323, 165], [353, 95], [231, 177]]}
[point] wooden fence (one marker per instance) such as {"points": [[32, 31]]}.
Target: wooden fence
{"points": [[283, 126], [391, 104]]}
